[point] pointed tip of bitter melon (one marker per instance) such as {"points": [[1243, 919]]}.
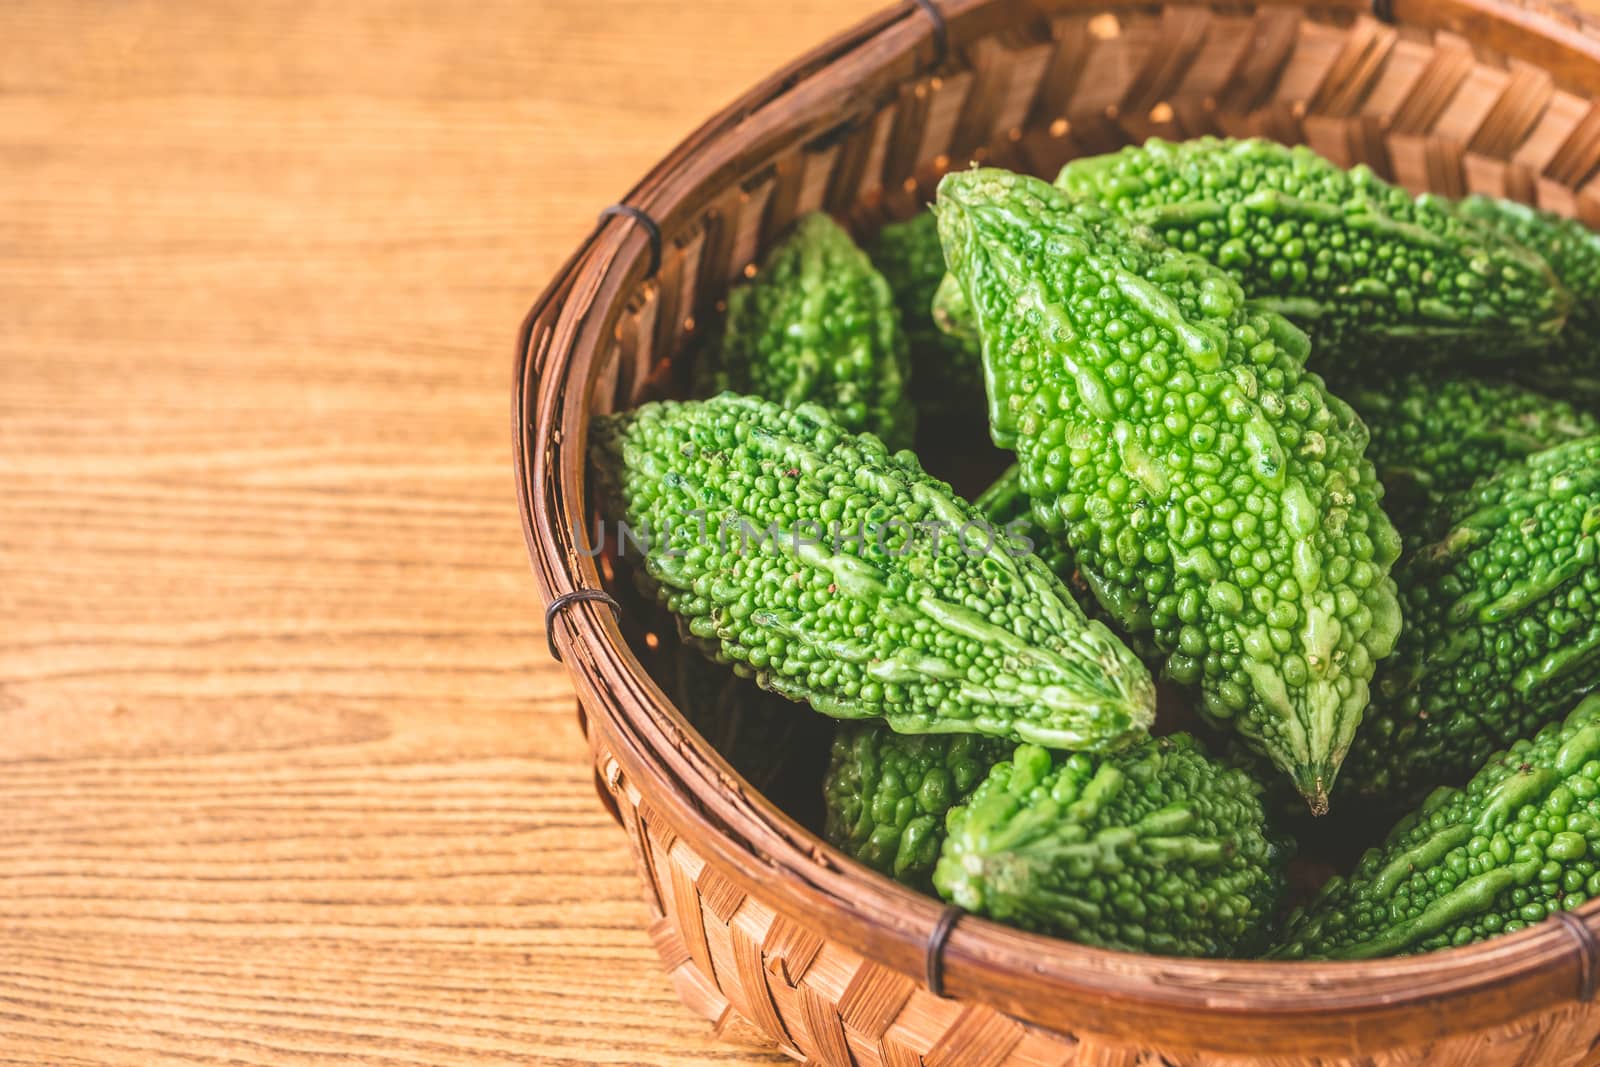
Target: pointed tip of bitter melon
{"points": [[1315, 784]]}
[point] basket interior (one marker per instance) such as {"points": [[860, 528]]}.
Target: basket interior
{"points": [[1031, 98], [864, 129]]}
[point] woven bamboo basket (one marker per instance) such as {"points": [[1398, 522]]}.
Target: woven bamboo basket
{"points": [[774, 937]]}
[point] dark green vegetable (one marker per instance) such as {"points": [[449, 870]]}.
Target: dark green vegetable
{"points": [[1213, 493], [1518, 844], [1343, 253], [840, 574], [1571, 366], [1156, 849], [946, 374], [1502, 628], [817, 323], [1435, 434], [887, 794]]}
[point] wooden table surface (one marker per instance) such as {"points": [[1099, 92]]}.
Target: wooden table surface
{"points": [[287, 776]]}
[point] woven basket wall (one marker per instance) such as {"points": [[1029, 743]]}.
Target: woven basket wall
{"points": [[773, 937]]}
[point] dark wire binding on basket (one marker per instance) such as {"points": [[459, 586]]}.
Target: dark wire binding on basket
{"points": [[651, 229], [941, 32], [937, 939], [572, 598], [1588, 954]]}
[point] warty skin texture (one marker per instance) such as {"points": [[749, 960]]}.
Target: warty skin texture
{"points": [[1571, 366], [1006, 506], [887, 795], [1518, 844], [1155, 849], [817, 323], [1502, 627], [1436, 434], [858, 605], [1343, 253], [1213, 493]]}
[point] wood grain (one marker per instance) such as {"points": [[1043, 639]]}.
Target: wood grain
{"points": [[287, 775]]}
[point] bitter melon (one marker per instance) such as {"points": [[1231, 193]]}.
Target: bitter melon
{"points": [[1571, 366], [840, 574], [1343, 253], [817, 323], [1212, 491], [1502, 626], [1515, 846], [1155, 849], [887, 794], [1437, 434]]}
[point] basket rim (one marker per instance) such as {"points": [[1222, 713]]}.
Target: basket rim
{"points": [[1325, 1008]]}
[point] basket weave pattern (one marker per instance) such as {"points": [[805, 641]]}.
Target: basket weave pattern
{"points": [[750, 914]]}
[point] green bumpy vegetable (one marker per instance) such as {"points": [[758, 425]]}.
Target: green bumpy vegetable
{"points": [[837, 573], [1006, 507], [887, 794], [946, 374], [1156, 849], [1570, 367], [1213, 493], [1518, 844], [1434, 435], [1502, 627], [1343, 253], [817, 323]]}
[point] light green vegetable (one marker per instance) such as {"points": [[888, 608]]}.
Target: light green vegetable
{"points": [[1571, 366], [1518, 844], [1155, 849], [840, 574], [817, 323], [887, 794], [1343, 253], [1214, 495]]}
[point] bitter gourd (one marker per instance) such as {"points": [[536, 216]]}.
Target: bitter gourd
{"points": [[945, 372], [887, 794], [1502, 626], [1155, 849], [1518, 844], [1343, 253], [1437, 434], [840, 574], [1005, 506], [1571, 366], [817, 323], [1213, 493]]}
